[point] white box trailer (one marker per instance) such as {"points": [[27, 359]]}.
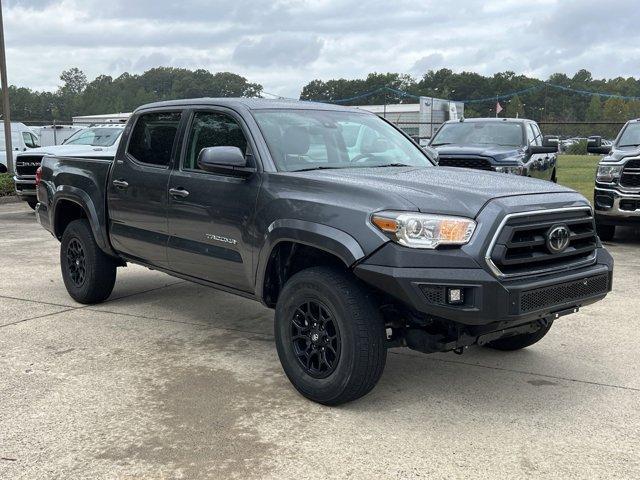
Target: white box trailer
{"points": [[50, 135], [86, 120]]}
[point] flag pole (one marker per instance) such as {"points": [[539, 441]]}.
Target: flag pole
{"points": [[496, 105]]}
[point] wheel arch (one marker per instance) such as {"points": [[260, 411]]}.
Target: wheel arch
{"points": [[292, 245], [71, 204]]}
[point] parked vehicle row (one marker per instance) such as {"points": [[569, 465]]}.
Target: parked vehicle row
{"points": [[506, 145], [338, 221], [98, 141], [617, 190]]}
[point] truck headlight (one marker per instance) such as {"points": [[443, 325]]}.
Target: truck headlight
{"points": [[512, 169], [419, 230], [608, 173]]}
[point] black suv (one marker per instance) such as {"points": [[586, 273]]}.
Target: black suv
{"points": [[338, 221], [505, 145], [617, 191]]}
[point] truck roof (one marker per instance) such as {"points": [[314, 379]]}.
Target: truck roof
{"points": [[250, 104]]}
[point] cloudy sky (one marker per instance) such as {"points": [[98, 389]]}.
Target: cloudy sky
{"points": [[283, 44]]}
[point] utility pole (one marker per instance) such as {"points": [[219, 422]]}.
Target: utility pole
{"points": [[5, 98]]}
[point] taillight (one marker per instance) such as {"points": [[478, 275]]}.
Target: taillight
{"points": [[38, 176]]}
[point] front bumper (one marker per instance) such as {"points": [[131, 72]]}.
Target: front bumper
{"points": [[25, 187], [488, 300], [613, 207]]}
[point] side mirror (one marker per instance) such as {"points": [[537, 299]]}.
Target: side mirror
{"points": [[550, 141], [594, 145], [225, 160]]}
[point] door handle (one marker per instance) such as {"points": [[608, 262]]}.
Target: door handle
{"points": [[121, 184], [178, 192]]}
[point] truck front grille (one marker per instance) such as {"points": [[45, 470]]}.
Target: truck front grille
{"points": [[542, 298], [521, 246], [477, 163], [631, 174], [26, 165]]}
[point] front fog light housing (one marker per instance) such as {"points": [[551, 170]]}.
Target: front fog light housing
{"points": [[419, 230], [511, 169], [455, 296], [608, 173]]}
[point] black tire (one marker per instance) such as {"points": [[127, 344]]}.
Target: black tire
{"points": [[606, 232], [518, 342], [88, 273], [361, 354], [32, 202]]}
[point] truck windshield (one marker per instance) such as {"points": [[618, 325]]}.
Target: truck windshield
{"points": [[630, 136], [480, 133], [96, 137], [317, 139]]}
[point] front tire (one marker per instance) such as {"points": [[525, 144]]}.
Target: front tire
{"points": [[88, 273], [517, 342], [329, 335], [606, 232], [32, 202]]}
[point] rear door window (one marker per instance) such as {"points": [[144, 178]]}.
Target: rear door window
{"points": [[153, 138]]}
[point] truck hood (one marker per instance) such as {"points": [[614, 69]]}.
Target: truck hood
{"points": [[619, 153], [496, 152], [440, 190]]}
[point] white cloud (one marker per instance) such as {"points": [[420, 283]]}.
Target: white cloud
{"points": [[283, 44]]}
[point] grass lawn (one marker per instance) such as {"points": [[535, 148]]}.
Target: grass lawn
{"points": [[578, 172], [6, 185]]}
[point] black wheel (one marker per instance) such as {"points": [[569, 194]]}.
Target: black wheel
{"points": [[606, 232], [330, 336], [32, 202], [88, 273], [517, 342]]}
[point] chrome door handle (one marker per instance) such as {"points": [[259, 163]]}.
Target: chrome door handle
{"points": [[120, 184], [178, 192]]}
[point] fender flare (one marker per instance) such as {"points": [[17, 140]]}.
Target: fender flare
{"points": [[82, 199], [317, 235]]}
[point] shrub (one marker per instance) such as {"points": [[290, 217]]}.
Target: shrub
{"points": [[6, 185], [578, 148]]}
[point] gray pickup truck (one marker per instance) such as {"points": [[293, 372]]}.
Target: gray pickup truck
{"points": [[338, 221], [617, 192]]}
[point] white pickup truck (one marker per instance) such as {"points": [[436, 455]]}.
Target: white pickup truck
{"points": [[97, 141]]}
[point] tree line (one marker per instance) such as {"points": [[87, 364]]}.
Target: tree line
{"points": [[105, 94]]}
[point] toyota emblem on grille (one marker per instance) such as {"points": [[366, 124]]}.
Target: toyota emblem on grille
{"points": [[558, 238]]}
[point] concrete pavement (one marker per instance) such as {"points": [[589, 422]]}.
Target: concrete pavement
{"points": [[172, 380]]}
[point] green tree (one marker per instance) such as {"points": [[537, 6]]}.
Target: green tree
{"points": [[594, 110], [515, 108]]}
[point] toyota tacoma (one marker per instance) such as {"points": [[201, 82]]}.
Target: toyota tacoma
{"points": [[358, 249]]}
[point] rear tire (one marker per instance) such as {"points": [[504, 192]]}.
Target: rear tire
{"points": [[32, 202], [518, 342], [330, 336], [88, 273], [606, 232]]}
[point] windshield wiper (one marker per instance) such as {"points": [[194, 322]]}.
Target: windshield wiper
{"points": [[390, 165], [319, 167], [630, 145], [438, 144]]}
